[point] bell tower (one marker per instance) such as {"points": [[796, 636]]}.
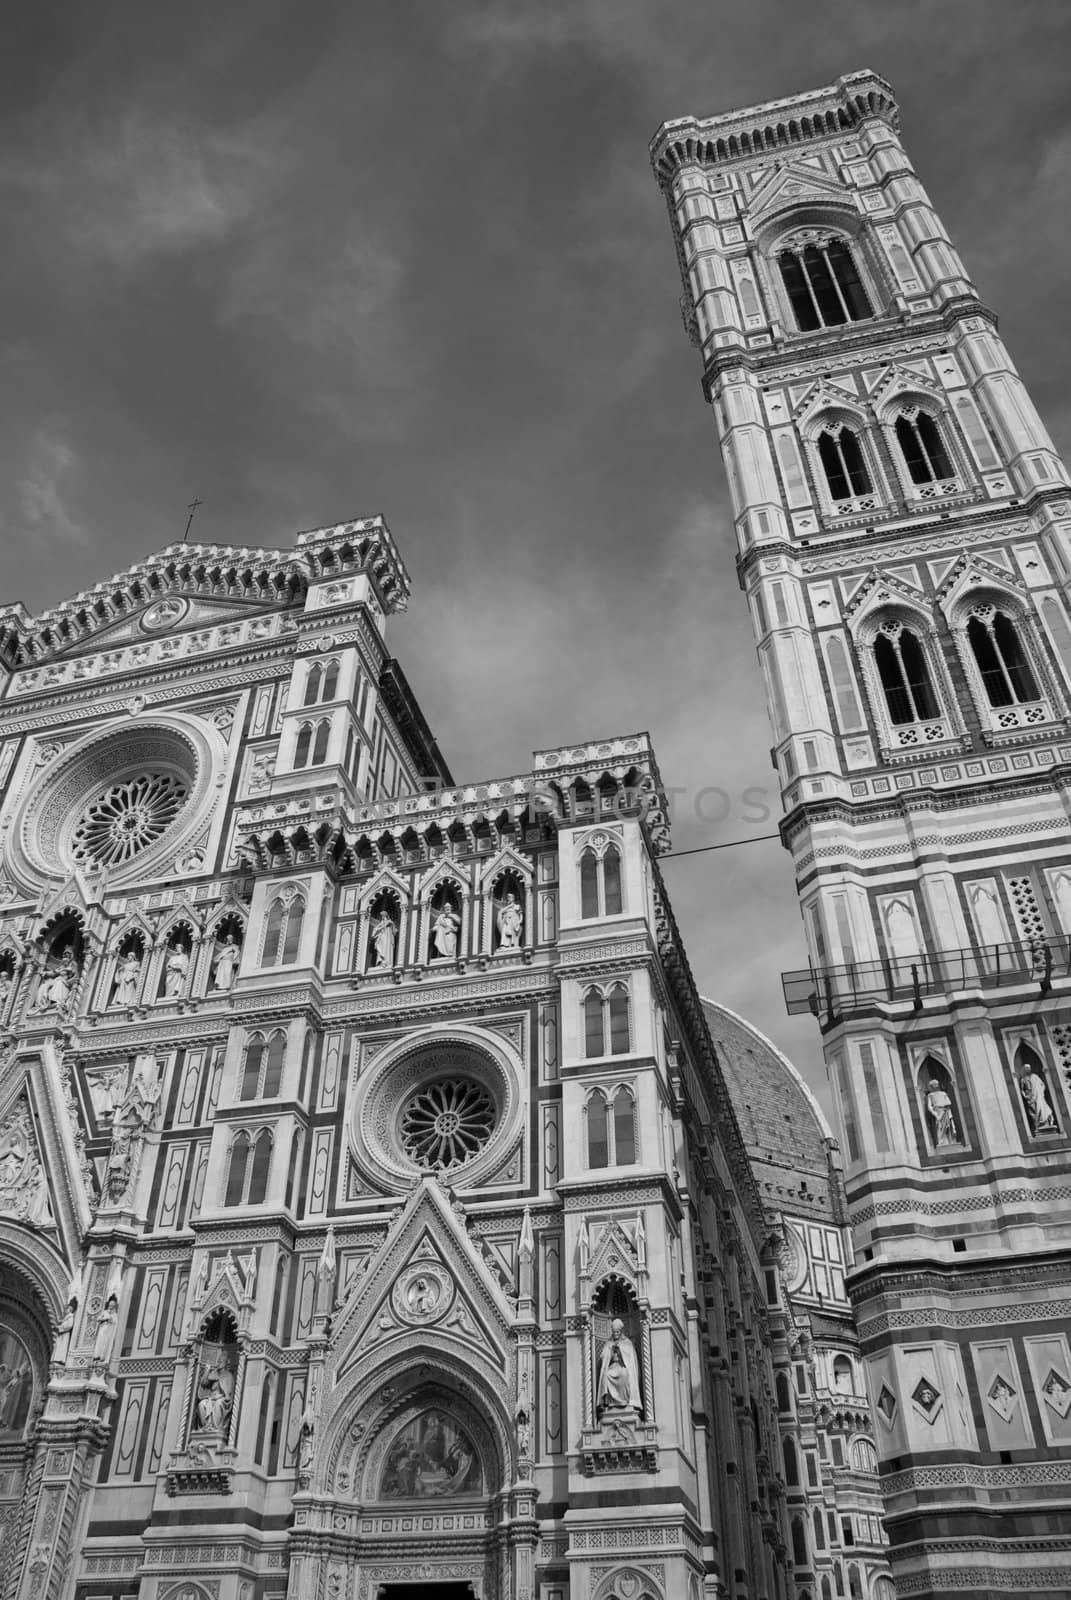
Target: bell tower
{"points": [[903, 529]]}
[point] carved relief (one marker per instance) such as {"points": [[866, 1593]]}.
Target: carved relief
{"points": [[23, 1186]]}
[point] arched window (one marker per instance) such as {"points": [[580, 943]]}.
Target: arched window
{"points": [[823, 285], [855, 1587], [792, 1466], [259, 1168], [619, 1020], [784, 1393], [254, 1056], [273, 1067], [236, 1171], [842, 461], [593, 1030], [864, 1456], [799, 1542], [819, 1529], [319, 751], [321, 683], [282, 936], [303, 746], [1001, 659], [624, 1129], [611, 1128], [600, 883], [312, 685], [842, 1375], [598, 1130], [905, 676], [923, 450]]}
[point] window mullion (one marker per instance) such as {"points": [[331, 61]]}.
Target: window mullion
{"points": [[998, 652], [805, 270], [836, 282]]}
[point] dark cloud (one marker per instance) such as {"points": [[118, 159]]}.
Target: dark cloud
{"points": [[315, 261]]}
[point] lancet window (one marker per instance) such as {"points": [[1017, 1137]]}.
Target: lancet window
{"points": [[282, 937], [905, 674], [321, 683], [922, 447], [607, 1030], [842, 460], [248, 1168], [310, 749], [1002, 662], [262, 1069], [823, 285], [611, 1128], [600, 883]]}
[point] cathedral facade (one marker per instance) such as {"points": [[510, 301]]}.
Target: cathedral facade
{"points": [[382, 1212], [904, 543]]}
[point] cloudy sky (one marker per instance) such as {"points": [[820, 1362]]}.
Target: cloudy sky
{"points": [[310, 261]]}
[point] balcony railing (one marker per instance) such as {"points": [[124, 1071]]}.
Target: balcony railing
{"points": [[830, 991]]}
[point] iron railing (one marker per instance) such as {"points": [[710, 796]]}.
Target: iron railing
{"points": [[832, 991]]}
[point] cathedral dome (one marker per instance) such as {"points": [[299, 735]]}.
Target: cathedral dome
{"points": [[786, 1133]]}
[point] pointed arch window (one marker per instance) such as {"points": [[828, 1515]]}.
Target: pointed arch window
{"points": [[611, 1127], [1002, 661], [303, 746], [607, 1025], [841, 456], [922, 447], [321, 683], [905, 675], [262, 1071], [282, 938], [319, 749], [600, 883], [823, 285], [237, 1169]]}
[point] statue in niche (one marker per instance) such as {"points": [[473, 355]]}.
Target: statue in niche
{"points": [[105, 1337], [384, 939], [445, 930], [127, 981], [16, 1382], [618, 1385], [215, 1386], [56, 988], [225, 964], [941, 1113], [23, 1187], [6, 984], [430, 1459], [107, 1090], [510, 923], [176, 969], [142, 1097], [1036, 1102]]}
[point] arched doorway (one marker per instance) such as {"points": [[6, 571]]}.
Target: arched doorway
{"points": [[25, 1347], [415, 1482]]}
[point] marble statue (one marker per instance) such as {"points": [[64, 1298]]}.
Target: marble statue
{"points": [[58, 984], [225, 965], [215, 1394], [618, 1387], [1040, 1115], [175, 970], [444, 931], [6, 984], [510, 923], [941, 1114], [127, 981], [23, 1186], [384, 939]]}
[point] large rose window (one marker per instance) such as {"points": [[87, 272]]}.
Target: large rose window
{"points": [[125, 800], [127, 818], [446, 1123]]}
